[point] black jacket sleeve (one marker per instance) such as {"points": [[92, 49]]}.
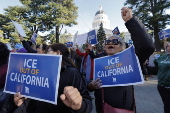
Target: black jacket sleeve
{"points": [[93, 56], [77, 81], [91, 53], [9, 106], [143, 44], [28, 47]]}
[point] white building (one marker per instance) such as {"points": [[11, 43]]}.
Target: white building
{"points": [[101, 17], [127, 38]]}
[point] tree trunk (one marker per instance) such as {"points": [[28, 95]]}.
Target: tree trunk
{"points": [[157, 40], [57, 34], [34, 28]]}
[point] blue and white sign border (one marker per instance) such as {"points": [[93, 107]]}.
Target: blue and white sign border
{"points": [[127, 84], [57, 83]]}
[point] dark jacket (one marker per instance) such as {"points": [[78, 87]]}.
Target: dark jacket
{"points": [[76, 58], [93, 56], [122, 96], [3, 71], [68, 77], [28, 47], [163, 64]]}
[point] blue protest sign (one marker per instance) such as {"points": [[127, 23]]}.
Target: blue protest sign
{"points": [[69, 44], [164, 33], [33, 38], [116, 31], [36, 76], [118, 70], [92, 37], [18, 46]]}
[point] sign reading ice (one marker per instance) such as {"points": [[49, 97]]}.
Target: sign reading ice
{"points": [[121, 69], [36, 76]]}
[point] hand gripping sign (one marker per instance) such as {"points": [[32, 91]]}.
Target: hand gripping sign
{"points": [[36, 76]]}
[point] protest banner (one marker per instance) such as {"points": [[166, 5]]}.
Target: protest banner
{"points": [[116, 31], [121, 69], [164, 33], [18, 46], [81, 39], [33, 38], [19, 29], [92, 39], [35, 76], [69, 44]]}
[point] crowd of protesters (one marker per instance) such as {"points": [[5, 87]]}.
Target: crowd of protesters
{"points": [[76, 76]]}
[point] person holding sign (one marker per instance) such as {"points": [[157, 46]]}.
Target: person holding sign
{"points": [[73, 97], [4, 55], [122, 97], [41, 49], [87, 63], [163, 65]]}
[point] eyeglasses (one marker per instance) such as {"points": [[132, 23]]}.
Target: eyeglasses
{"points": [[114, 42]]}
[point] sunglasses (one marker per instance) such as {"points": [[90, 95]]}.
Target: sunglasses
{"points": [[114, 42]]}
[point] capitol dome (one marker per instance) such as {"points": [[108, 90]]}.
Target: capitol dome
{"points": [[101, 17], [100, 12]]}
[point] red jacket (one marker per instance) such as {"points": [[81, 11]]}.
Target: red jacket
{"points": [[85, 56]]}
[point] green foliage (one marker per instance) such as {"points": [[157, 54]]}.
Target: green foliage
{"points": [[122, 35], [44, 15], [101, 37], [65, 37], [2, 38], [51, 37], [6, 26], [8, 29], [152, 14]]}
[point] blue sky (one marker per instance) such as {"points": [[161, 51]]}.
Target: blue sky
{"points": [[86, 12], [88, 8]]}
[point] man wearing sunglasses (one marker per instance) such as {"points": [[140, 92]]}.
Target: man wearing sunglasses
{"points": [[122, 96]]}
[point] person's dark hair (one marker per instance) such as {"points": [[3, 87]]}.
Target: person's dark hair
{"points": [[37, 46], [65, 53], [44, 47], [99, 51], [126, 44], [4, 53]]}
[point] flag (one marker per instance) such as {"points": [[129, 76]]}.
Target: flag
{"points": [[74, 40], [92, 38], [116, 31], [18, 46], [33, 38], [69, 44], [164, 33], [81, 39]]}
